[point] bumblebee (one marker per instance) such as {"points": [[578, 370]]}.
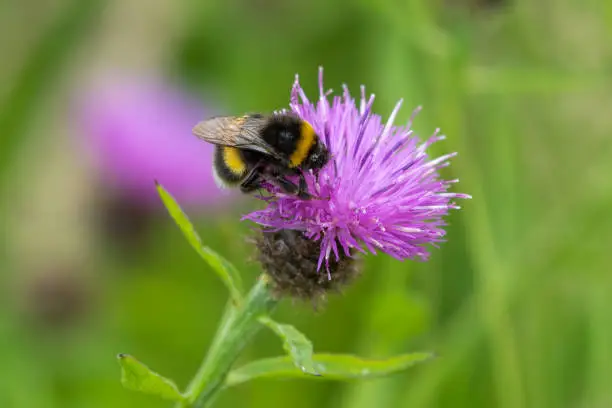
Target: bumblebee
{"points": [[256, 148]]}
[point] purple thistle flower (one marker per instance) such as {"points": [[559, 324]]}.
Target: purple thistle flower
{"points": [[380, 190]]}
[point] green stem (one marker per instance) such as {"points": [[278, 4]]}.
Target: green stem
{"points": [[237, 328]]}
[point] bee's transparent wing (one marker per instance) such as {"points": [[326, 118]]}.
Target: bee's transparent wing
{"points": [[234, 131]]}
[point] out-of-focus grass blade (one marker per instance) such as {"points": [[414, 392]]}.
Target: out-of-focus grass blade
{"points": [[505, 81], [330, 366], [295, 344], [40, 70], [136, 376], [226, 271]]}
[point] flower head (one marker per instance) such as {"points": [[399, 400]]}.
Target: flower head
{"points": [[380, 191], [139, 130]]}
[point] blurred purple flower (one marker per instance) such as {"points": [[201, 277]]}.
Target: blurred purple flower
{"points": [[138, 131], [380, 190]]}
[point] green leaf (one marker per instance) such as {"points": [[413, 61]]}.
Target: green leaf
{"points": [[330, 366], [226, 271], [138, 377], [295, 343]]}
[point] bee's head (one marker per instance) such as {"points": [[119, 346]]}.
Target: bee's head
{"points": [[318, 157]]}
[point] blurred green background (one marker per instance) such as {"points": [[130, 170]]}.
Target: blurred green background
{"points": [[517, 304]]}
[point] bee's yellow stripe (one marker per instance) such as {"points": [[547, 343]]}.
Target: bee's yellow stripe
{"points": [[233, 160], [307, 138]]}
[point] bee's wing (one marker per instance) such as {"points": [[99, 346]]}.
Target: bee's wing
{"points": [[241, 132]]}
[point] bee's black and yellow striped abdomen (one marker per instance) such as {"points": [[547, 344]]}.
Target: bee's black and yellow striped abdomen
{"points": [[229, 165]]}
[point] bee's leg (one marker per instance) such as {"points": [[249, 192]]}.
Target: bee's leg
{"points": [[251, 186], [291, 188], [285, 185], [252, 181], [303, 188]]}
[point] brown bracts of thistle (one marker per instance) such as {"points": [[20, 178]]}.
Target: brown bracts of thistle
{"points": [[290, 259]]}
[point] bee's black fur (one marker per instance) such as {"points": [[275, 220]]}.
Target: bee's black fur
{"points": [[282, 132]]}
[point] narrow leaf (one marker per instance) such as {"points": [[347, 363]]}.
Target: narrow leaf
{"points": [[295, 344], [226, 271], [330, 366], [136, 376]]}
